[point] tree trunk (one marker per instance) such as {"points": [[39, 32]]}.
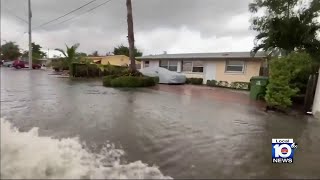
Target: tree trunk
{"points": [[130, 36], [316, 102]]}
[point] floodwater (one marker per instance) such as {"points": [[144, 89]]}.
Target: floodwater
{"points": [[88, 131]]}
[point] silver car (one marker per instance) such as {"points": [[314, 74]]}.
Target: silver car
{"points": [[8, 64], [165, 76]]}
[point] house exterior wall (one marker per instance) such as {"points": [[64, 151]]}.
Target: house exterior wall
{"points": [[252, 68], [153, 63]]}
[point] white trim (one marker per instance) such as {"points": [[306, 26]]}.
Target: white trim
{"points": [[203, 66], [244, 65], [168, 64]]}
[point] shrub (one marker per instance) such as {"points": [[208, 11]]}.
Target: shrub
{"points": [[196, 81], [126, 81], [79, 70], [129, 81], [240, 85], [223, 84], [96, 70], [59, 65], [211, 83], [281, 87], [112, 70], [93, 70], [279, 94], [156, 79], [106, 80], [128, 72]]}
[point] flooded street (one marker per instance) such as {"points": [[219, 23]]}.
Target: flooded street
{"points": [[185, 136]]}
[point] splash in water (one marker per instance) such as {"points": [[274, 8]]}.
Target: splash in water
{"points": [[27, 155]]}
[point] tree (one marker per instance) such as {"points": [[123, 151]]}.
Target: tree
{"points": [[95, 54], [285, 28], [36, 52], [10, 51], [123, 50], [70, 55], [82, 54]]}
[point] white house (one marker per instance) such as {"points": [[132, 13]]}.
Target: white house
{"points": [[224, 66]]}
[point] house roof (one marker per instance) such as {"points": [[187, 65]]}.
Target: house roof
{"points": [[106, 57], [205, 55]]}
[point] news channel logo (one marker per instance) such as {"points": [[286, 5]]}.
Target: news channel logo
{"points": [[283, 150]]}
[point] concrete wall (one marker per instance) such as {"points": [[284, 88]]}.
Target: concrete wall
{"points": [[252, 68], [316, 102]]}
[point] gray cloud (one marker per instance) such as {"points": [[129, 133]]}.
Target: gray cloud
{"points": [[159, 24]]}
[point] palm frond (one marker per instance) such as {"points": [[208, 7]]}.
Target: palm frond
{"points": [[62, 51], [75, 46]]}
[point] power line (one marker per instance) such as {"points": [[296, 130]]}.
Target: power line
{"points": [[65, 14], [84, 12], [9, 11]]}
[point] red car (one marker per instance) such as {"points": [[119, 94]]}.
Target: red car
{"points": [[22, 64]]}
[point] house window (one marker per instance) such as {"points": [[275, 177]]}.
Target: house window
{"points": [[235, 66], [170, 65], [192, 66], [146, 64]]}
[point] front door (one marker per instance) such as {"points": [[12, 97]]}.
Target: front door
{"points": [[210, 71]]}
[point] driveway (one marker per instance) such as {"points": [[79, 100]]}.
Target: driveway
{"points": [[214, 93]]}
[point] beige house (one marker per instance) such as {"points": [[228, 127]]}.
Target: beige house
{"points": [[226, 66], [117, 60]]}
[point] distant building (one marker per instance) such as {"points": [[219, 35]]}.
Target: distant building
{"points": [[117, 60]]}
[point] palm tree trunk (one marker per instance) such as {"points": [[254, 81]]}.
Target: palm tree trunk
{"points": [[130, 36]]}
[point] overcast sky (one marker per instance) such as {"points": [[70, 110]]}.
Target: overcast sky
{"points": [[175, 26]]}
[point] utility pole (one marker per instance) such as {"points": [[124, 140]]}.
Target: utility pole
{"points": [[131, 36], [316, 101], [30, 45]]}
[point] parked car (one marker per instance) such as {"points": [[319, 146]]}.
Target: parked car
{"points": [[165, 76], [18, 64], [7, 64]]}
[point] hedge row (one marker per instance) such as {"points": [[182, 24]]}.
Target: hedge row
{"points": [[94, 70], [233, 85], [129, 81], [196, 81]]}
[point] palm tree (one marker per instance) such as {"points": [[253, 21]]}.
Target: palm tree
{"points": [[71, 55]]}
